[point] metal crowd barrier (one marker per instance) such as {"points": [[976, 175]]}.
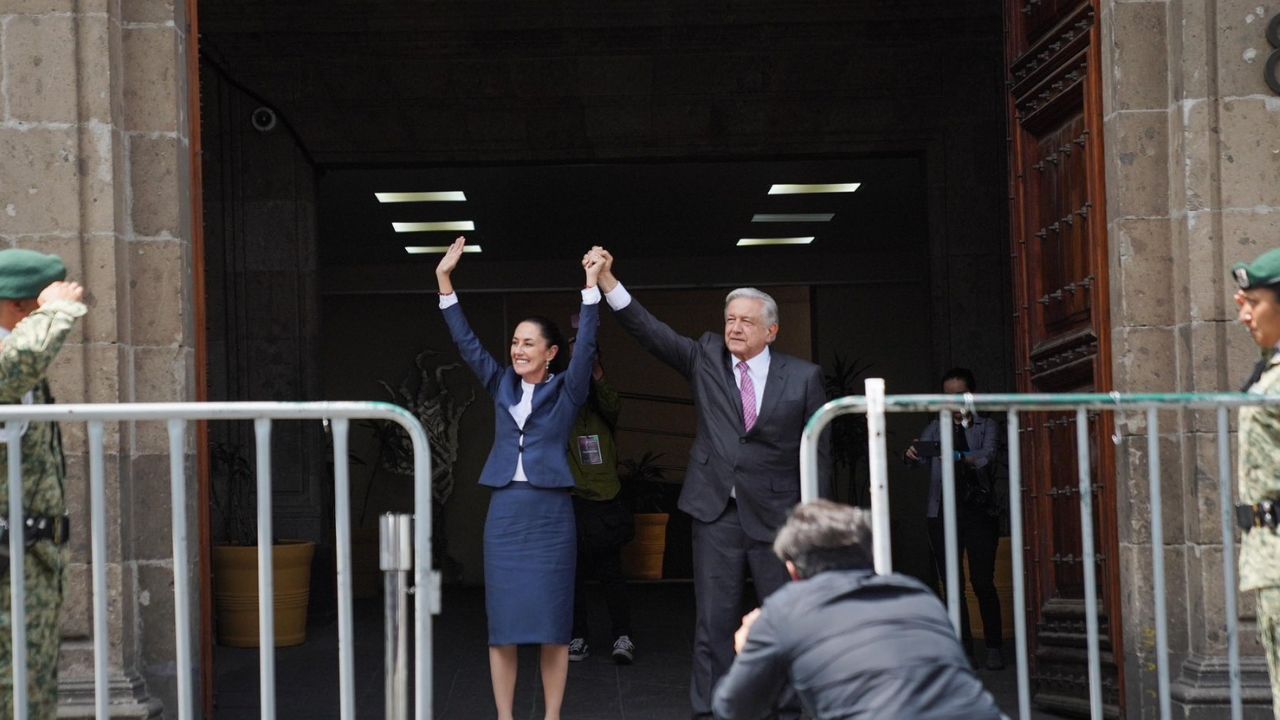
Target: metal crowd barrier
{"points": [[177, 415], [875, 404]]}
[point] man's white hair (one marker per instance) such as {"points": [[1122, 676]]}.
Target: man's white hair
{"points": [[770, 307]]}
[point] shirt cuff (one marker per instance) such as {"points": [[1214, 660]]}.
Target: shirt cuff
{"points": [[591, 295], [448, 301], [618, 298]]}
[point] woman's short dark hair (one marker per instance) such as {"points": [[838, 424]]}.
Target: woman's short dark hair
{"points": [[823, 535], [959, 373], [551, 333]]}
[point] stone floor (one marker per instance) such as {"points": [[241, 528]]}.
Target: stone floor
{"points": [[654, 688]]}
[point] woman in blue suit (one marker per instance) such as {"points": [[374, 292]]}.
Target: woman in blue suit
{"points": [[530, 545]]}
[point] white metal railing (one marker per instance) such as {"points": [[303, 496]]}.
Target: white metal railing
{"points": [[176, 416], [875, 404]]}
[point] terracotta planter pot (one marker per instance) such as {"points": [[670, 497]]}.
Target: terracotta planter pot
{"points": [[642, 557], [235, 591]]}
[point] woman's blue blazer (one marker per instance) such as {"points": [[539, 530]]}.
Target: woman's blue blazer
{"points": [[555, 405]]}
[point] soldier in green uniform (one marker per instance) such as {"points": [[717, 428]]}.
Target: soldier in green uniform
{"points": [[1258, 300], [37, 311]]}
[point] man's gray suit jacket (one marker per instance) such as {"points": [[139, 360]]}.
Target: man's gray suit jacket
{"points": [[762, 465]]}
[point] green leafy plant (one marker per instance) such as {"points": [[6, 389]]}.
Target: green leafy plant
{"points": [[849, 432], [234, 493], [426, 392], [432, 392]]}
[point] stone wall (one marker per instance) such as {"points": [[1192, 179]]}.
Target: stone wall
{"points": [[1193, 176], [94, 155]]}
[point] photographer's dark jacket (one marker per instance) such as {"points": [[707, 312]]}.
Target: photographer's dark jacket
{"points": [[854, 644], [982, 436]]}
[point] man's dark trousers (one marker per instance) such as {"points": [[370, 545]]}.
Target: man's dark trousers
{"points": [[721, 552], [760, 464]]}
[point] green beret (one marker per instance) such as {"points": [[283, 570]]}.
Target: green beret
{"points": [[24, 273]]}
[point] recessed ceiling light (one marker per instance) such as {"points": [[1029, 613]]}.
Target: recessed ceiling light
{"points": [[747, 242], [814, 188], [792, 217], [399, 197], [437, 249], [446, 226]]}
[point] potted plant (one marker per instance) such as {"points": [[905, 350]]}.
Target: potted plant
{"points": [[649, 497], [235, 559], [433, 392], [849, 432]]}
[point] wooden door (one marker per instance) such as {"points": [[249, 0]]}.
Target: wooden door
{"points": [[1059, 249]]}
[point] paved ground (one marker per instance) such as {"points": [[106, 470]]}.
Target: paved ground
{"points": [[654, 688]]}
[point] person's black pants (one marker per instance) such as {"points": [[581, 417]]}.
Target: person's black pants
{"points": [[723, 556], [978, 537], [603, 528]]}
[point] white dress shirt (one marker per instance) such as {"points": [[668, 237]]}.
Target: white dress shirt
{"points": [[520, 411]]}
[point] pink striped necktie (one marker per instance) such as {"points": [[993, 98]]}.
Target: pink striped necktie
{"points": [[748, 396]]}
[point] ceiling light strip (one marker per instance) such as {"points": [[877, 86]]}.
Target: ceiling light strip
{"points": [[749, 242], [402, 197], [801, 189], [445, 226], [791, 217], [437, 249]]}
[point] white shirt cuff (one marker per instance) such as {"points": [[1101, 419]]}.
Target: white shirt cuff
{"points": [[618, 298], [591, 295], [449, 300]]}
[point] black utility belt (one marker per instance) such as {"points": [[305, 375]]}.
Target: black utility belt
{"points": [[56, 529], [1265, 514]]}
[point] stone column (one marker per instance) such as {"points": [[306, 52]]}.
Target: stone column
{"points": [[1193, 185], [94, 157]]}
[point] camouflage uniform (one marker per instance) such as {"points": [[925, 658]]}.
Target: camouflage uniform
{"points": [[25, 356], [1259, 471]]}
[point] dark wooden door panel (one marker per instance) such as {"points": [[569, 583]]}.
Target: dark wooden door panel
{"points": [[1059, 250]]}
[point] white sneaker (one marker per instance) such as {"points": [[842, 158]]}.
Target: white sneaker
{"points": [[578, 650], [624, 651]]}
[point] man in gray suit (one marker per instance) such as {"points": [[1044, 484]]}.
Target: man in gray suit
{"points": [[744, 468]]}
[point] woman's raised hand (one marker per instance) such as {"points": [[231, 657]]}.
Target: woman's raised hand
{"points": [[447, 264], [592, 264]]}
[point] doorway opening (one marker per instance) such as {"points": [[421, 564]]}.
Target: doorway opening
{"points": [[657, 132]]}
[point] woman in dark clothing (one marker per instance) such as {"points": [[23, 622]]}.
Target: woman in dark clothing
{"points": [[530, 544]]}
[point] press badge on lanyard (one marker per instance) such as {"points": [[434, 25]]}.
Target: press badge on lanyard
{"points": [[589, 450]]}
